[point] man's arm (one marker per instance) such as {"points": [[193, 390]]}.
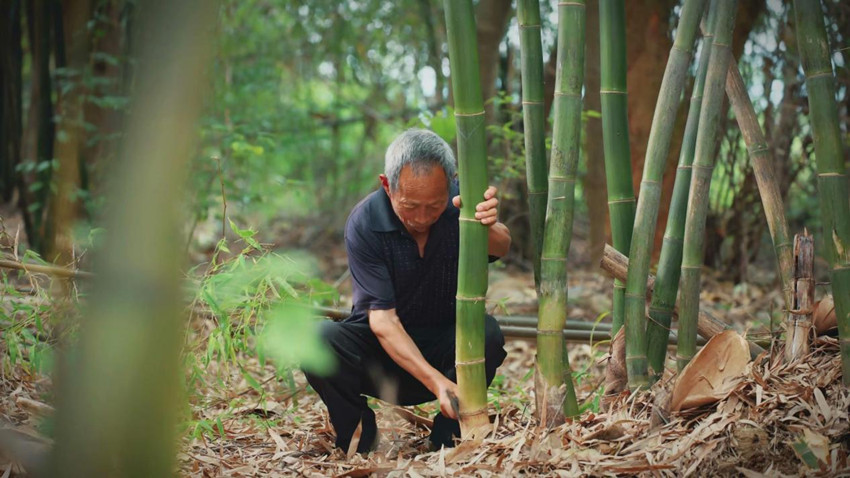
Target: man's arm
{"points": [[400, 347]]}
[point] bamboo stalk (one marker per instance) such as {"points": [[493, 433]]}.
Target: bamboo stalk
{"points": [[578, 336], [692, 254], [646, 215], [762, 161], [670, 259], [829, 153], [472, 175], [534, 124], [799, 323], [615, 136], [553, 379], [119, 385], [48, 269]]}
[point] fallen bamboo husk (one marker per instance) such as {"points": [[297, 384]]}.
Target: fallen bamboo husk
{"points": [[708, 326], [713, 373]]}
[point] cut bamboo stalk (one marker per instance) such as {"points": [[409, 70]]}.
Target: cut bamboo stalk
{"points": [[813, 45], [615, 136], [472, 261], [799, 323], [553, 379], [616, 264], [646, 215], [703, 167], [534, 124]]}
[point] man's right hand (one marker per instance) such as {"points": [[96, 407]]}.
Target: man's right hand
{"points": [[444, 390]]}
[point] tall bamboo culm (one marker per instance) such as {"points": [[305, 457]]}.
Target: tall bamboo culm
{"points": [[692, 253], [646, 215], [472, 174], [829, 155], [553, 379], [762, 161], [534, 123], [661, 309], [615, 136], [119, 386]]}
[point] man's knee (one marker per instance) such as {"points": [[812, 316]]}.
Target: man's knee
{"points": [[494, 341]]}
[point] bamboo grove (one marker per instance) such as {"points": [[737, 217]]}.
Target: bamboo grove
{"points": [[647, 311]]}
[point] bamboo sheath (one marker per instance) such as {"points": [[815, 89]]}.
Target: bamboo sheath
{"points": [[670, 259], [472, 175], [646, 215], [813, 45], [553, 379], [615, 135], [534, 123], [692, 253]]}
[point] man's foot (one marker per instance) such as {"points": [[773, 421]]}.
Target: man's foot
{"points": [[444, 432]]}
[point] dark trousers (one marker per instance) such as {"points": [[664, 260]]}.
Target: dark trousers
{"points": [[364, 368]]}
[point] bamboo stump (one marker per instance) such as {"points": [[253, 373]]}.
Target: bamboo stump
{"points": [[799, 321]]}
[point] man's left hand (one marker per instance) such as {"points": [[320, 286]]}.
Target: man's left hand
{"points": [[487, 211]]}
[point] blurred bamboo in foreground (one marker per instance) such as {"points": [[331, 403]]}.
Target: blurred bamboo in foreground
{"points": [[119, 386]]}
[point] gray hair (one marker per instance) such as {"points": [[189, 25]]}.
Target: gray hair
{"points": [[421, 149]]}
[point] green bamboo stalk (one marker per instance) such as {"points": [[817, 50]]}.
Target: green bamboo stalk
{"points": [[832, 180], [534, 123], [661, 309], [615, 135], [646, 216], [553, 380], [762, 161], [692, 254], [472, 174], [119, 386]]}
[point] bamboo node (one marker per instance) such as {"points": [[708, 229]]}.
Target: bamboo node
{"points": [[726, 45], [473, 412], [761, 148], [561, 179], [534, 25], [678, 48], [538, 193], [549, 332], [574, 95], [651, 182], [668, 237], [684, 166], [630, 295], [819, 74], [617, 201], [469, 362], [570, 4], [690, 267], [468, 219], [831, 175], [559, 259], [703, 167], [635, 357], [612, 92], [481, 113], [470, 299], [532, 102]]}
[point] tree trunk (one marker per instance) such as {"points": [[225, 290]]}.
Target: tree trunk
{"points": [[492, 21], [10, 89]]}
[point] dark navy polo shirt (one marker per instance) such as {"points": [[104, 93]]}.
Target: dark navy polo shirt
{"points": [[387, 271]]}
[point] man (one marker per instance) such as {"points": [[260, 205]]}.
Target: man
{"points": [[399, 342]]}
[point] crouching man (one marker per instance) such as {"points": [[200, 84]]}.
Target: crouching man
{"points": [[399, 342]]}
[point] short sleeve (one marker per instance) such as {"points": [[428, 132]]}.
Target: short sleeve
{"points": [[372, 287]]}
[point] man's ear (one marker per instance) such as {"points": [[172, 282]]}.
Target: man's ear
{"points": [[385, 183]]}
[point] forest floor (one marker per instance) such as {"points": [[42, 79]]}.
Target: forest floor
{"points": [[778, 420]]}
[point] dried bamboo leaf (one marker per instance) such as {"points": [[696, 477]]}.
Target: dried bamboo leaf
{"points": [[713, 372]]}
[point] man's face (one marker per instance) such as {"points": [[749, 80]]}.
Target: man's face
{"points": [[419, 200]]}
